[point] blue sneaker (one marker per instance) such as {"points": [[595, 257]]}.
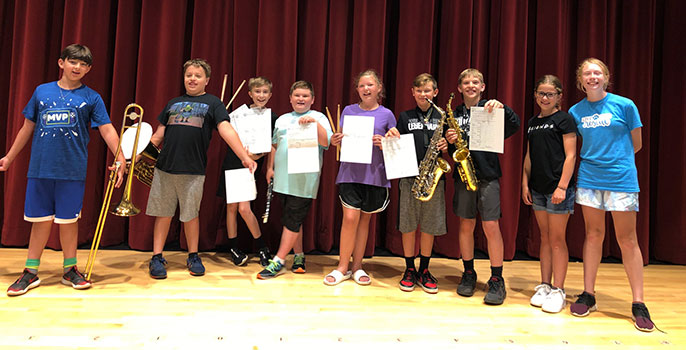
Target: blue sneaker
{"points": [[195, 266], [157, 269], [272, 270]]}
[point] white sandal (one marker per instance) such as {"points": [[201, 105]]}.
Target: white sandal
{"points": [[359, 274], [338, 277]]}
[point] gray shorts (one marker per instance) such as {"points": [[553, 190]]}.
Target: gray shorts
{"points": [[169, 189], [485, 200], [430, 216]]}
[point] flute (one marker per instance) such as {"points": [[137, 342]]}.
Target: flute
{"points": [[265, 216]]}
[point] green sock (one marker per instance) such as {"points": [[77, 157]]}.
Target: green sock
{"points": [[32, 265], [68, 263]]}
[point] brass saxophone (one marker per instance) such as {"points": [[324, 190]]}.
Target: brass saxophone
{"points": [[432, 166], [465, 166]]}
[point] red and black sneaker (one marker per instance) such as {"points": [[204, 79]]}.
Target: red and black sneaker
{"points": [[409, 280], [75, 279], [26, 281], [428, 282]]}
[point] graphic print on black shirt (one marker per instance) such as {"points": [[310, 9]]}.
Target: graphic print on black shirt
{"points": [[188, 114], [546, 150], [422, 125]]}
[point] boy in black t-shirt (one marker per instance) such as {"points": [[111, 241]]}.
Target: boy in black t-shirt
{"points": [[486, 199], [186, 125], [422, 122]]}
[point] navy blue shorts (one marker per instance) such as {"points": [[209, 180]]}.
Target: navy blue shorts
{"points": [[58, 200]]}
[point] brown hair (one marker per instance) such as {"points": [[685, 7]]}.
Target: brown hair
{"points": [[302, 84], [551, 80], [259, 81], [592, 60], [372, 73], [423, 79], [198, 62], [77, 52], [470, 71]]}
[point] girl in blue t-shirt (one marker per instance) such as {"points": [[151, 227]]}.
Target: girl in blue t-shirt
{"points": [[610, 128], [548, 186]]}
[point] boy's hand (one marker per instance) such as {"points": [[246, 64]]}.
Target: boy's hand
{"points": [[442, 145], [393, 132], [376, 139], [120, 169], [336, 138], [492, 104], [270, 174], [306, 119], [5, 164], [451, 135], [250, 164]]}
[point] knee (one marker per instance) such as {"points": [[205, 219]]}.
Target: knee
{"points": [[245, 211], [491, 229]]}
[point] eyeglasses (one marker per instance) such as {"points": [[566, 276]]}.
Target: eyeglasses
{"points": [[549, 95]]}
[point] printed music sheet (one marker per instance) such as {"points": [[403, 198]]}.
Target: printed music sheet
{"points": [[253, 126], [303, 148], [487, 130], [240, 185], [356, 145], [399, 156]]}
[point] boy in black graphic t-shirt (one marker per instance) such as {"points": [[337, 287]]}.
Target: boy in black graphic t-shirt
{"points": [[186, 125]]}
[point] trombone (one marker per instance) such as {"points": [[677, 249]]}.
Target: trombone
{"points": [[130, 139]]}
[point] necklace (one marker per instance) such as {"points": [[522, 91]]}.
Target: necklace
{"points": [[427, 116], [62, 95]]}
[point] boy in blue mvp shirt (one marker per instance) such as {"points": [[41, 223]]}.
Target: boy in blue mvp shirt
{"points": [[57, 120]]}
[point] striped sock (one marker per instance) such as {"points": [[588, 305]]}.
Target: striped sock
{"points": [[68, 263], [32, 265]]}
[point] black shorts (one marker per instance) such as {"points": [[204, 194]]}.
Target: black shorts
{"points": [[367, 198], [294, 211]]}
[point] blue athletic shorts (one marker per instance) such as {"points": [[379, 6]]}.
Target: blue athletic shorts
{"points": [[58, 200]]}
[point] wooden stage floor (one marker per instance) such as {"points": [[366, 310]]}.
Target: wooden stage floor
{"points": [[230, 308]]}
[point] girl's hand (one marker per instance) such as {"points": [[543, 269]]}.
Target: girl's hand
{"points": [[376, 139], [526, 195], [393, 132], [336, 138], [492, 104], [558, 196]]}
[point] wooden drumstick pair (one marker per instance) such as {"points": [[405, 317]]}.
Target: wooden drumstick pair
{"points": [[336, 127]]}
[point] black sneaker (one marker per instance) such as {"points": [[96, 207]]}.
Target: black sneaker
{"points": [[239, 258], [265, 255], [496, 291], [584, 305], [157, 269], [75, 279], [409, 280], [428, 282], [467, 284], [298, 264], [26, 281], [641, 317]]}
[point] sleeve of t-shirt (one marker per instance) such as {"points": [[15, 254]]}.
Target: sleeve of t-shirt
{"points": [[163, 118], [219, 112], [392, 123], [511, 121], [567, 124], [99, 114], [30, 112], [633, 119]]}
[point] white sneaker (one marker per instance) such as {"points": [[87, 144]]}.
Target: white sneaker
{"points": [[542, 291], [555, 302]]}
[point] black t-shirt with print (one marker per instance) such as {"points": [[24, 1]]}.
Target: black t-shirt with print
{"points": [[189, 122], [422, 126], [546, 150]]}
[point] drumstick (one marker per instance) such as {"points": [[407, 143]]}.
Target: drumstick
{"points": [[235, 94], [224, 87], [338, 129], [328, 114]]}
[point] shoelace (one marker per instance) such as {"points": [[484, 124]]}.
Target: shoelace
{"points": [[274, 266], [586, 299], [408, 275], [642, 311]]}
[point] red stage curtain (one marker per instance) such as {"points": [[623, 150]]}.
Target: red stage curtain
{"points": [[140, 46]]}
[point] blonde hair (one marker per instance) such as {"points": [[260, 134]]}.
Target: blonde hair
{"points": [[470, 72], [603, 67], [423, 79], [198, 62], [259, 81], [372, 73]]}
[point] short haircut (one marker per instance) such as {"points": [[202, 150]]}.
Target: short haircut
{"points": [[603, 67], [259, 81], [77, 52], [470, 72], [198, 62], [423, 79], [302, 84], [374, 74]]}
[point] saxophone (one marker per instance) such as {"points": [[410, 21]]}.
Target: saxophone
{"points": [[432, 166], [462, 158]]}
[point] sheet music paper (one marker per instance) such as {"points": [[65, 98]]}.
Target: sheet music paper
{"points": [[253, 126], [357, 143], [399, 156], [303, 148], [487, 130], [240, 185]]}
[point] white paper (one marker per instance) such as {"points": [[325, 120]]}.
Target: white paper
{"points": [[240, 185], [399, 156], [487, 130], [357, 143], [254, 128], [303, 148]]}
